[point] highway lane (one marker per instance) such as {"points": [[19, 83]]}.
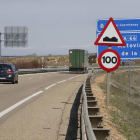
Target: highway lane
{"points": [[39, 117], [28, 85]]}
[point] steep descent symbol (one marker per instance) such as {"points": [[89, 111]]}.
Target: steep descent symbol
{"points": [[113, 39]]}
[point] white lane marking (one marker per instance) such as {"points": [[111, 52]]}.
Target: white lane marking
{"points": [[30, 78], [62, 81], [18, 104], [71, 78], [50, 86]]}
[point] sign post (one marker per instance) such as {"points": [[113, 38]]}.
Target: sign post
{"points": [[109, 59], [108, 86], [108, 89], [129, 79]]}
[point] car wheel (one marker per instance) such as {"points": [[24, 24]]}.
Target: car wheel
{"points": [[16, 80], [13, 82]]}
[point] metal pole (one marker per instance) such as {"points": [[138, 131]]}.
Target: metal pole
{"points": [[0, 47], [108, 89], [129, 78], [108, 86]]}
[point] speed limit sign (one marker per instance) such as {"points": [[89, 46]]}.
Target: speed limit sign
{"points": [[109, 60]]}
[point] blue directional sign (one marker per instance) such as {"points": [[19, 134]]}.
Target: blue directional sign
{"points": [[127, 60], [132, 48], [122, 24]]}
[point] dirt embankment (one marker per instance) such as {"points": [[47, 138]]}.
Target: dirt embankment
{"points": [[104, 110]]}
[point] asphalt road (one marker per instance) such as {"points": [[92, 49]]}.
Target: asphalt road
{"points": [[34, 108]]}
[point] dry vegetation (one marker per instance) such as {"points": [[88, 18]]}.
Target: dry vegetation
{"points": [[38, 61], [127, 116]]}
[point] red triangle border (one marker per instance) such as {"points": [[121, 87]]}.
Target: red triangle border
{"points": [[117, 30]]}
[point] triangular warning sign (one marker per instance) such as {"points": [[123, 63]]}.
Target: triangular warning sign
{"points": [[110, 35]]}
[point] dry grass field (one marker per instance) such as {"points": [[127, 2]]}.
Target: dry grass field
{"points": [[126, 116], [37, 62]]}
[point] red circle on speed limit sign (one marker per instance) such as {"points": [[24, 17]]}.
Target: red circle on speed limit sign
{"points": [[109, 60]]}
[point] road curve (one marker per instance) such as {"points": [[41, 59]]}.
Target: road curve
{"points": [[32, 109]]}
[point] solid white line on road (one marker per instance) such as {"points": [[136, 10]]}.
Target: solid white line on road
{"points": [[71, 78], [50, 86], [62, 81], [18, 104]]}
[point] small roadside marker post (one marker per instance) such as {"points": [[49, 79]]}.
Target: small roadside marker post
{"points": [[129, 78], [109, 60], [92, 70]]}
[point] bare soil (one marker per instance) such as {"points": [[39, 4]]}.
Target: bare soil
{"points": [[104, 110]]}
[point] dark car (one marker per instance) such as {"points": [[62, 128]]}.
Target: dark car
{"points": [[8, 73]]}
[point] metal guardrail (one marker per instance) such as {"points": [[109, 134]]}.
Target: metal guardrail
{"points": [[63, 68], [92, 121], [92, 124], [87, 132], [120, 67], [40, 70]]}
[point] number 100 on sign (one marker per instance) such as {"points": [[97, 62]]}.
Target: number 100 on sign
{"points": [[109, 60]]}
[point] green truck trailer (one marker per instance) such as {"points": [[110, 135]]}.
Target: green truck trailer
{"points": [[78, 61]]}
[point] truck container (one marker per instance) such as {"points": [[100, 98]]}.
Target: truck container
{"points": [[78, 61]]}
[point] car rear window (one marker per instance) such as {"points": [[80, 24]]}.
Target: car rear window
{"points": [[5, 67]]}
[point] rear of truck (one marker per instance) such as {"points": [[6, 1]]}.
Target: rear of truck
{"points": [[78, 61]]}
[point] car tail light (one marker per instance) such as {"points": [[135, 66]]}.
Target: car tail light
{"points": [[9, 71]]}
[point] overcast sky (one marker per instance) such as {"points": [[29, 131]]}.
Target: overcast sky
{"points": [[55, 26]]}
